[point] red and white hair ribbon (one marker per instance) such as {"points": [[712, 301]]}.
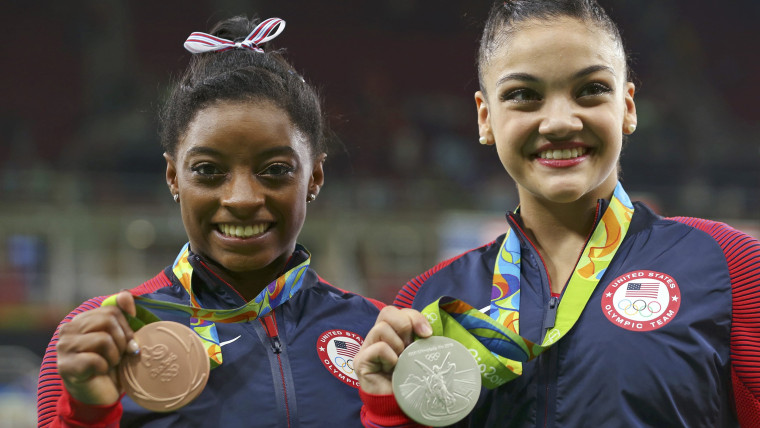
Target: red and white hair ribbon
{"points": [[267, 30]]}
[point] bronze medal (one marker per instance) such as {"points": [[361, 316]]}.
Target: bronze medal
{"points": [[171, 369]]}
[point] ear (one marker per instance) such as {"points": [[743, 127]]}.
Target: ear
{"points": [[484, 118], [629, 117], [317, 179], [171, 174]]}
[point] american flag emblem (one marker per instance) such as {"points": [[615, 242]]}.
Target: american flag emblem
{"points": [[346, 349], [643, 289]]}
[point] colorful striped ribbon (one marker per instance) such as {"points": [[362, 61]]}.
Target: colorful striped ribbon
{"points": [[203, 320], [494, 339], [267, 30]]}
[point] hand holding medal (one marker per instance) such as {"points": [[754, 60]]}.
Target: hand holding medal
{"points": [[171, 367], [161, 365], [91, 346], [435, 380]]}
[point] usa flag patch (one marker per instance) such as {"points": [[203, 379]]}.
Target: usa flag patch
{"points": [[337, 349], [642, 300]]}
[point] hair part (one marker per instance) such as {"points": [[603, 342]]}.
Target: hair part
{"points": [[241, 75], [505, 18]]}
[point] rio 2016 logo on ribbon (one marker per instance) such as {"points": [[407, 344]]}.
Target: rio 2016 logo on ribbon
{"points": [[641, 300], [337, 349]]}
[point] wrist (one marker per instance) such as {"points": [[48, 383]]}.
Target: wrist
{"points": [[77, 413], [382, 409]]}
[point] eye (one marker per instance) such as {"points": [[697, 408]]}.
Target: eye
{"points": [[593, 89], [521, 95], [206, 170], [277, 170]]}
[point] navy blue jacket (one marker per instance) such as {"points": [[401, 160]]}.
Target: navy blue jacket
{"points": [[281, 371], [675, 363]]}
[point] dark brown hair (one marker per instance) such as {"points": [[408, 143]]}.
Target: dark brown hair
{"points": [[505, 15], [241, 75]]}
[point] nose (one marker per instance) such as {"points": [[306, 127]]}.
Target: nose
{"points": [[560, 119], [242, 193]]}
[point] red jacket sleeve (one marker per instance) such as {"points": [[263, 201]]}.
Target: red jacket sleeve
{"points": [[382, 411], [54, 408], [70, 413], [743, 258]]}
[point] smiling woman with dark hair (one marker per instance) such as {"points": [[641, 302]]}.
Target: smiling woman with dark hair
{"points": [[243, 135], [591, 310]]}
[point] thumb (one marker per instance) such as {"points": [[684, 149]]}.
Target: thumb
{"points": [[126, 302]]}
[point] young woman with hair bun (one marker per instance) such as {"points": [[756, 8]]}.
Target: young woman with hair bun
{"points": [[243, 135]]}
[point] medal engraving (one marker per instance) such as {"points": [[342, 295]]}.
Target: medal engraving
{"points": [[436, 381], [171, 369]]}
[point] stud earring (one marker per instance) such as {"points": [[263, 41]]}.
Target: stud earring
{"points": [[631, 128], [176, 197], [483, 140], [311, 198]]}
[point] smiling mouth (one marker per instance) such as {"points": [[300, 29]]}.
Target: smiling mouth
{"points": [[239, 231], [562, 154]]}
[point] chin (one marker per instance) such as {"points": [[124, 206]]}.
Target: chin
{"points": [[560, 193], [564, 197], [240, 263]]}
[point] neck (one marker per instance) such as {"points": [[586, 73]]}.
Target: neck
{"points": [[551, 222], [559, 232], [250, 283]]}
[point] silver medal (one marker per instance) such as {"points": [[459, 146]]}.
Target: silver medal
{"points": [[436, 381]]}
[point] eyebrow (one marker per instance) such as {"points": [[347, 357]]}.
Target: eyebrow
{"points": [[525, 77], [200, 150], [272, 151]]}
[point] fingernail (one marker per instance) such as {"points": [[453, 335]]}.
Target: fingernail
{"points": [[133, 347], [426, 330]]}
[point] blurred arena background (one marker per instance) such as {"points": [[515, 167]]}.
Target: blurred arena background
{"points": [[85, 209]]}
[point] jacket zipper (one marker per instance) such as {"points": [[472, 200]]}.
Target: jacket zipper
{"points": [[550, 319], [270, 325], [550, 316]]}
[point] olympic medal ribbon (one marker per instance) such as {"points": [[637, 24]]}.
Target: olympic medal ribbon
{"points": [[505, 294], [596, 257], [494, 339], [498, 351], [203, 320], [267, 30]]}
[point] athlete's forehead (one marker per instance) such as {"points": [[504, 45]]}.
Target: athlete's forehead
{"points": [[564, 38]]}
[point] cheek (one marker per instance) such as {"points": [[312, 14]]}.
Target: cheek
{"points": [[510, 159], [514, 129], [513, 138], [197, 207], [292, 206]]}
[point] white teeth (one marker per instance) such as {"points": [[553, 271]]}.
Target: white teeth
{"points": [[241, 231], [563, 153]]}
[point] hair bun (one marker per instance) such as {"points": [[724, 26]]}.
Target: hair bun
{"points": [[235, 28]]}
